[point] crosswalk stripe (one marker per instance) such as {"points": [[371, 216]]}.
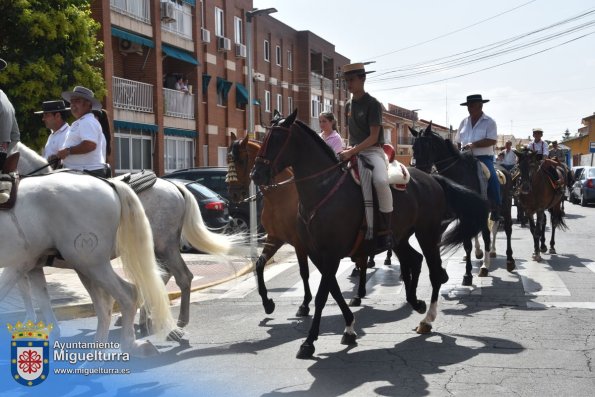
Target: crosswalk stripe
{"points": [[384, 281], [297, 290], [249, 284], [590, 266], [540, 279]]}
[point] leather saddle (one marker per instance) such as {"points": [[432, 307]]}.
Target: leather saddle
{"points": [[139, 181], [398, 175]]}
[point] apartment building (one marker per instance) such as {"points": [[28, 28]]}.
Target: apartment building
{"points": [[150, 47]]}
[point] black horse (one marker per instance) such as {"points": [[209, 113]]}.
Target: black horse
{"points": [[331, 213], [430, 149]]}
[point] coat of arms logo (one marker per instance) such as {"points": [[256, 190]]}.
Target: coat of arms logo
{"points": [[29, 352]]}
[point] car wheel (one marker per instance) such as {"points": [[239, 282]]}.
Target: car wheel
{"points": [[239, 224], [583, 201]]}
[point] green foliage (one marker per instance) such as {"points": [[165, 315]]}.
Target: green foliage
{"points": [[50, 47]]}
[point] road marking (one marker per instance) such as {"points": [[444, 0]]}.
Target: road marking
{"points": [[385, 281], [249, 284], [540, 279], [454, 287], [590, 266], [562, 305]]}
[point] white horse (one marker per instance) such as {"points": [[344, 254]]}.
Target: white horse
{"points": [[172, 212], [88, 222]]}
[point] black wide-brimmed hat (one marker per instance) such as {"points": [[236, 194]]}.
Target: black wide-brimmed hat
{"points": [[2, 64], [474, 98], [52, 107], [355, 69], [82, 92]]}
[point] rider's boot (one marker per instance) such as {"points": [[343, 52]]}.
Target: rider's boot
{"points": [[384, 235]]}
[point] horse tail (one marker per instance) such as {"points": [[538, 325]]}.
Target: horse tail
{"points": [[557, 217], [195, 231], [468, 207], [135, 247]]}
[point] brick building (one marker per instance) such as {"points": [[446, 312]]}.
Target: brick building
{"points": [[149, 45]]}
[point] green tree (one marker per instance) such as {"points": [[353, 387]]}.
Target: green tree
{"points": [[566, 135], [50, 46]]}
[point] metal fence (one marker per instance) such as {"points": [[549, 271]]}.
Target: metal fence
{"points": [[182, 26], [178, 104], [136, 9], [132, 95]]}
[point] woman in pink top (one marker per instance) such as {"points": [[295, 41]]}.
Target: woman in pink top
{"points": [[328, 126]]}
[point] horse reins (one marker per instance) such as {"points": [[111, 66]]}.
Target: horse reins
{"points": [[51, 163]]}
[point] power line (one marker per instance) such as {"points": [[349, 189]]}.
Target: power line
{"points": [[450, 33]]}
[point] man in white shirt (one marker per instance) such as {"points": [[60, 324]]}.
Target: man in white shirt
{"points": [[84, 148], [478, 133], [508, 157], [538, 145], [54, 115], [9, 129]]}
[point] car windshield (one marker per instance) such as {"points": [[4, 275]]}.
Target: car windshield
{"points": [[591, 173], [202, 190]]}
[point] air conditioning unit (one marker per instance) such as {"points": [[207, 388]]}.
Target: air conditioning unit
{"points": [[258, 77], [129, 47], [205, 35], [240, 51], [223, 44], [167, 12]]}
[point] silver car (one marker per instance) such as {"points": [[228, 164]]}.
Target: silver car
{"points": [[583, 190]]}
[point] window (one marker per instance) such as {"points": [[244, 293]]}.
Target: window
{"points": [[315, 106], [278, 55], [289, 104], [280, 103], [267, 51], [133, 150], [328, 105], [179, 153], [239, 32], [267, 101], [289, 61], [219, 23]]}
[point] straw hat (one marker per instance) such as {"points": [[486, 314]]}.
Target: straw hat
{"points": [[82, 92]]}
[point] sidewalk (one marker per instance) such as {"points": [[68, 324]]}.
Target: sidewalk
{"points": [[71, 300]]}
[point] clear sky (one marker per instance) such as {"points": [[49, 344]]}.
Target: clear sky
{"points": [[421, 47]]}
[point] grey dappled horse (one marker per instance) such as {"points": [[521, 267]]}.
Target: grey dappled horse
{"points": [[172, 212], [88, 222]]}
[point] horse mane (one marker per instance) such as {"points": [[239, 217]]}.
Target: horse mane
{"points": [[466, 158], [323, 145], [29, 159]]}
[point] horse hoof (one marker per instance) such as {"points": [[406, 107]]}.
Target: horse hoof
{"points": [[483, 272], [269, 306], [349, 339], [510, 265], [355, 302], [543, 249], [303, 311], [371, 264], [143, 349], [420, 307], [479, 255], [387, 262], [536, 257], [355, 272], [492, 254], [182, 323], [464, 258], [553, 250], [175, 335], [423, 328], [306, 351], [467, 280], [118, 322]]}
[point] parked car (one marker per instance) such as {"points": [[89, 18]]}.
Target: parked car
{"points": [[214, 179], [213, 208], [583, 190], [576, 173]]}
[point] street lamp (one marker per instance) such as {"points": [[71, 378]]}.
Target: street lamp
{"points": [[250, 123], [414, 117]]}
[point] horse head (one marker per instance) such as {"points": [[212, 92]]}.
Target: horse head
{"points": [[528, 165], [270, 159], [429, 148], [240, 160]]}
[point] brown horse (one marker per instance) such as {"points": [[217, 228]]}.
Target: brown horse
{"points": [[539, 193], [279, 216]]}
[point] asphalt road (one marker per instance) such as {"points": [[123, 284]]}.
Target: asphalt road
{"points": [[526, 333]]}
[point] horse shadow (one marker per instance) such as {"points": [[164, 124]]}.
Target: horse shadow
{"points": [[405, 366]]}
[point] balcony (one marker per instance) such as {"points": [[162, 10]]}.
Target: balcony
{"points": [[182, 24], [178, 104], [132, 95], [135, 9], [405, 140]]}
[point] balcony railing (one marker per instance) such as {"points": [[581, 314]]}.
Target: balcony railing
{"points": [[178, 104], [182, 26], [136, 9], [405, 140], [132, 95]]}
